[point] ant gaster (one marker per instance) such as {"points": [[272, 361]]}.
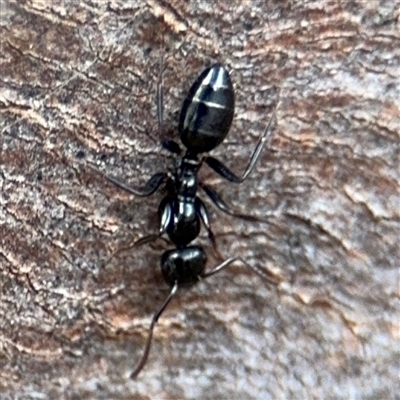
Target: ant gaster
{"points": [[204, 122]]}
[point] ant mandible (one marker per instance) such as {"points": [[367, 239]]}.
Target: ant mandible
{"points": [[204, 122]]}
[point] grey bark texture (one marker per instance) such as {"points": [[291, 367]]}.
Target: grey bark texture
{"points": [[78, 89]]}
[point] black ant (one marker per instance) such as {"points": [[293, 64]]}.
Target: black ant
{"points": [[204, 122]]}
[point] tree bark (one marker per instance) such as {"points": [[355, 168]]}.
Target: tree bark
{"points": [[78, 90]]}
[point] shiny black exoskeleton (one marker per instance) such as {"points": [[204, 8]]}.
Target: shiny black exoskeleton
{"points": [[207, 111], [204, 122]]}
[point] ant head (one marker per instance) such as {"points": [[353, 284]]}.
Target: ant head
{"points": [[184, 266]]}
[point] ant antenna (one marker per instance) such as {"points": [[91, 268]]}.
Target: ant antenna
{"points": [[258, 271], [156, 316]]}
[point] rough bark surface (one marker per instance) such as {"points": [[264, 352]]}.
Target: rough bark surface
{"points": [[78, 83]]}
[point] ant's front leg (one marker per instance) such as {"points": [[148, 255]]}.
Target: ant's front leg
{"points": [[165, 215], [139, 242], [149, 188]]}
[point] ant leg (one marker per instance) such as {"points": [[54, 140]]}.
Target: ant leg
{"points": [[149, 188], [160, 94], [147, 239], [154, 320], [139, 242], [205, 219], [231, 260], [220, 203], [171, 146], [226, 173], [164, 211]]}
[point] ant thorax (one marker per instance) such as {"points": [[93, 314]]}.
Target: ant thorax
{"points": [[187, 181]]}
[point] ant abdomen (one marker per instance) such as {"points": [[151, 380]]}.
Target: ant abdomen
{"points": [[207, 111]]}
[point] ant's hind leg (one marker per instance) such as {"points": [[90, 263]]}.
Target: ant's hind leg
{"points": [[149, 188], [160, 94], [226, 173], [169, 145], [157, 179], [220, 203]]}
